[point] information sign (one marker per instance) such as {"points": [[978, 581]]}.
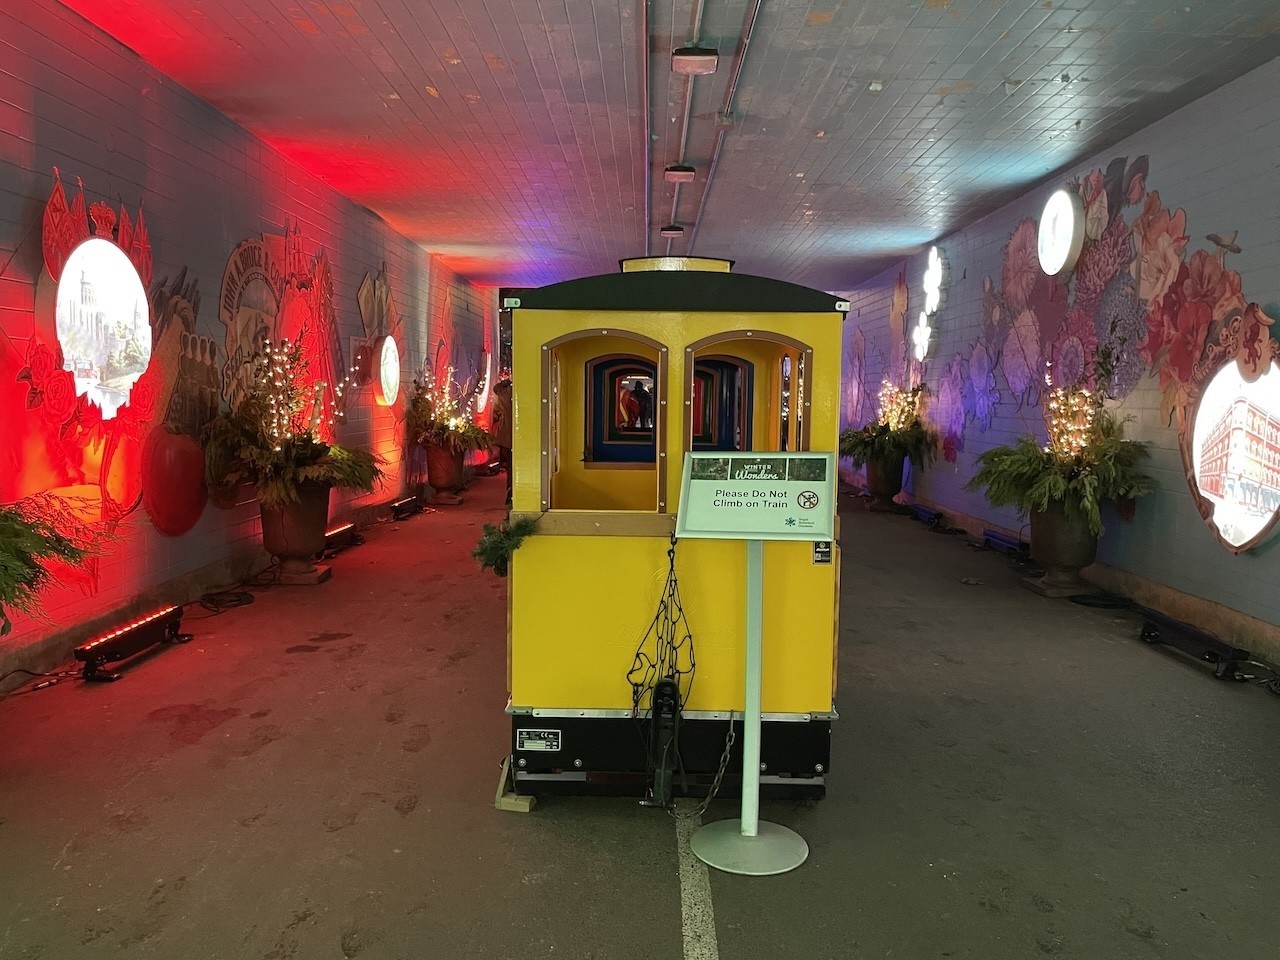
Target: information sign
{"points": [[758, 496]]}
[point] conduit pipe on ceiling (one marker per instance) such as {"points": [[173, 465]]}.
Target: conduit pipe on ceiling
{"points": [[648, 125], [688, 103], [748, 30]]}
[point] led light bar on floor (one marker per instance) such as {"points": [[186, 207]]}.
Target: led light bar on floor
{"points": [[128, 641], [340, 537], [405, 507]]}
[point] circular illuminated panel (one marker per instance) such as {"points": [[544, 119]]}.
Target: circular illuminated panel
{"points": [[1235, 454], [386, 385], [1061, 232], [104, 323]]}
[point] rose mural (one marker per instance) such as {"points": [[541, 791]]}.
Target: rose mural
{"points": [[1141, 295]]}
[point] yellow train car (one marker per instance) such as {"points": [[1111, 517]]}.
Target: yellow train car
{"points": [[615, 378]]}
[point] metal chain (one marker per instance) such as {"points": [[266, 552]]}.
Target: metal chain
{"points": [[729, 739]]}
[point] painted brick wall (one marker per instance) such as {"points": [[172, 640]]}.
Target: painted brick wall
{"points": [[1215, 159], [73, 98]]}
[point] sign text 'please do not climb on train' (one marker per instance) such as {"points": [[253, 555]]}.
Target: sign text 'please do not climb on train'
{"points": [[758, 496]]}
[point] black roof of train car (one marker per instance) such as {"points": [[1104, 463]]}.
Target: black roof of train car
{"points": [[682, 290]]}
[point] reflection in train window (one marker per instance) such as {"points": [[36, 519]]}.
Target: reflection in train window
{"points": [[746, 391], [722, 388], [620, 409]]}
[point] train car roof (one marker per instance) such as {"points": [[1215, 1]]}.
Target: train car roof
{"points": [[682, 290]]}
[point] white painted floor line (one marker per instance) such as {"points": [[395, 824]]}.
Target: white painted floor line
{"points": [[697, 913]]}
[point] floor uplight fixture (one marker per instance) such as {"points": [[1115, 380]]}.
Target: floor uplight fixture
{"points": [[162, 626]]}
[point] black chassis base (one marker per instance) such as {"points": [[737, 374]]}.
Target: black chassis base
{"points": [[607, 755]]}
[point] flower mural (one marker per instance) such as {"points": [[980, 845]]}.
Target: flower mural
{"points": [[981, 394], [1141, 295], [854, 405], [947, 413]]}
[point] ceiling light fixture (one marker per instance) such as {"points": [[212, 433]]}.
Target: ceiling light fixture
{"points": [[672, 231], [679, 173], [694, 61]]}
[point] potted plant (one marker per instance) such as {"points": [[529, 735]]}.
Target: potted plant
{"points": [[272, 439], [439, 419], [885, 444], [1063, 483], [36, 534], [499, 541]]}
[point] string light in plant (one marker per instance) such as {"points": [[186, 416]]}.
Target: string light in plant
{"points": [[294, 410], [1069, 417], [441, 412], [899, 408]]}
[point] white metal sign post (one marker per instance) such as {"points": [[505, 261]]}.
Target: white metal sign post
{"points": [[755, 497]]}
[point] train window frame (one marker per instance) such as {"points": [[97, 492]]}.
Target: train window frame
{"points": [[552, 426], [719, 344], [706, 368]]}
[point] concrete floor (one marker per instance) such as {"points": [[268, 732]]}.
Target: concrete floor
{"points": [[312, 777]]}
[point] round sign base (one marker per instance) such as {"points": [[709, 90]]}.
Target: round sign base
{"points": [[775, 849]]}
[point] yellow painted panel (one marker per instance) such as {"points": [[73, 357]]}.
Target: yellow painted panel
{"points": [[581, 605]]}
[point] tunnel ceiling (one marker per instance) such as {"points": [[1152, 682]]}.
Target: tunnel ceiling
{"points": [[509, 136]]}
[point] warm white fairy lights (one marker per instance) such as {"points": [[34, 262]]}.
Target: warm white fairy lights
{"points": [[440, 400], [899, 408], [1069, 417], [294, 409]]}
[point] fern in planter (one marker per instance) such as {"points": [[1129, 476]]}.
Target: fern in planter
{"points": [[439, 414], [1086, 461], [897, 432], [271, 438], [35, 534], [498, 542]]}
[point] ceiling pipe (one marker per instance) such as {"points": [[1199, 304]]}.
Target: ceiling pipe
{"points": [[748, 30], [648, 126], [688, 102]]}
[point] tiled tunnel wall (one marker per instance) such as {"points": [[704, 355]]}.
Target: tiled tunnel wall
{"points": [[74, 99], [1214, 159]]}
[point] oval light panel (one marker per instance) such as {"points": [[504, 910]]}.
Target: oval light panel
{"points": [[386, 385], [104, 323], [1235, 450]]}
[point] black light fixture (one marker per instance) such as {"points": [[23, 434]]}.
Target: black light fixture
{"points": [[679, 173], [405, 507], [672, 231], [694, 60], [162, 626], [339, 538]]}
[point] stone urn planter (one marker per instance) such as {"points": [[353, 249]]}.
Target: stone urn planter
{"points": [[884, 480], [445, 469], [294, 534], [1063, 547]]}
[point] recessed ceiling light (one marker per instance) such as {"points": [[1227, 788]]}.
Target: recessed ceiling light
{"points": [[672, 230], [679, 173], [694, 61]]}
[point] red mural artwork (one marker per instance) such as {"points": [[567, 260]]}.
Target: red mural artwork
{"points": [[57, 440], [272, 291]]}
